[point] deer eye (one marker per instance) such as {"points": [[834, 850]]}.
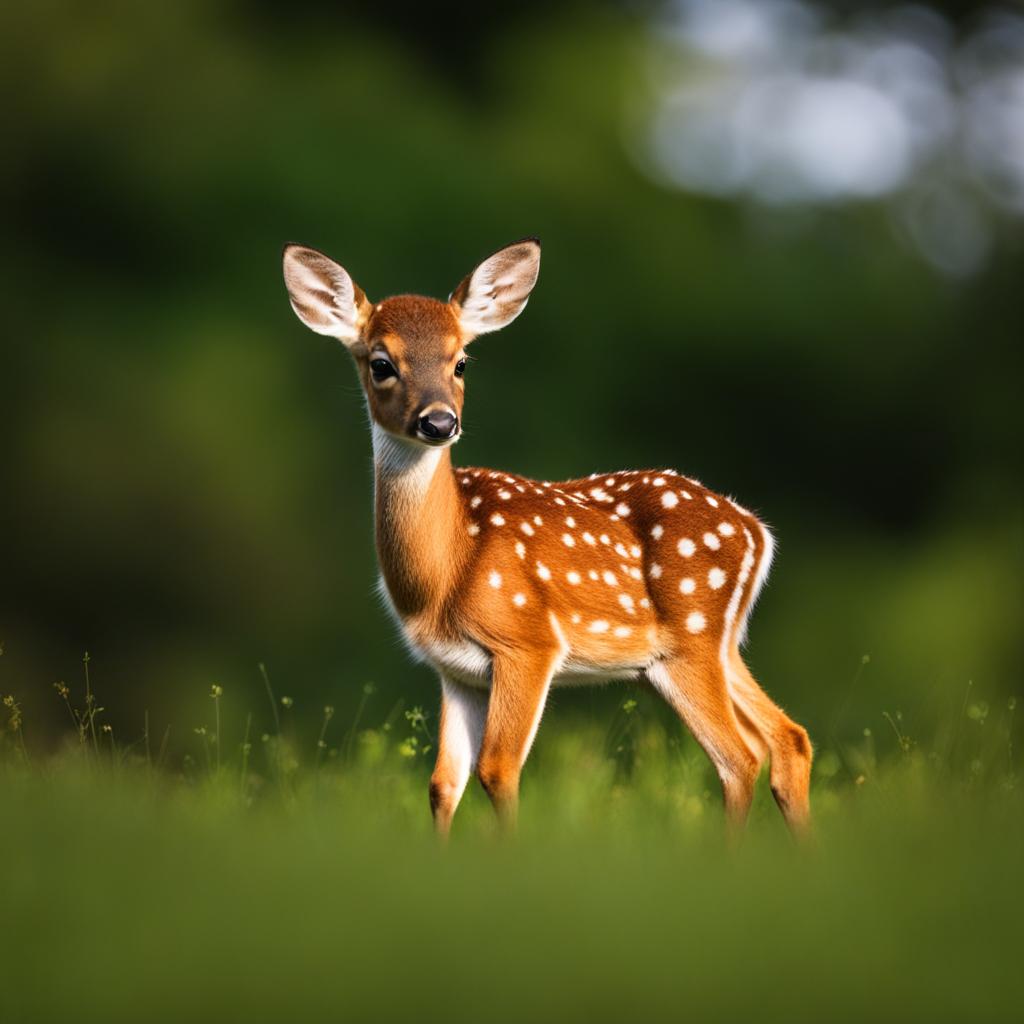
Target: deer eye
{"points": [[460, 367], [382, 369]]}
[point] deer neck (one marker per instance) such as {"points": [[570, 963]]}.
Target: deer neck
{"points": [[420, 528]]}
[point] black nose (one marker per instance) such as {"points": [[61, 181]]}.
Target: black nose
{"points": [[439, 425]]}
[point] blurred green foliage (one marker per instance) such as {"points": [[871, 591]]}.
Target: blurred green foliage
{"points": [[186, 469]]}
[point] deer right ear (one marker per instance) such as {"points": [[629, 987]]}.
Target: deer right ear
{"points": [[323, 295], [496, 292]]}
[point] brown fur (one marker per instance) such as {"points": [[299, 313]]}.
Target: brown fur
{"points": [[534, 579]]}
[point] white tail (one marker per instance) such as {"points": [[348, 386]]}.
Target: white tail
{"points": [[508, 585]]}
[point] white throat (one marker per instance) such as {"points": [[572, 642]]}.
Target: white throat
{"points": [[408, 465]]}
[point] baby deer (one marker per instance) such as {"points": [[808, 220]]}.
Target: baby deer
{"points": [[507, 585]]}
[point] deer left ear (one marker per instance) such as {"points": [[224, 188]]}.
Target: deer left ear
{"points": [[494, 294], [323, 295]]}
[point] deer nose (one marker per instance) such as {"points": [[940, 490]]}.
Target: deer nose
{"points": [[439, 424]]}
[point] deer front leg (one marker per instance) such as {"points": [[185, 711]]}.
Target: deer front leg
{"points": [[463, 711], [519, 689]]}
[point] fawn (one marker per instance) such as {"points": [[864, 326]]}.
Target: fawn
{"points": [[507, 585]]}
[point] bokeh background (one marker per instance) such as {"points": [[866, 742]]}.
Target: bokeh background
{"points": [[782, 253]]}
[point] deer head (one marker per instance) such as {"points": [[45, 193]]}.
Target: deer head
{"points": [[410, 351]]}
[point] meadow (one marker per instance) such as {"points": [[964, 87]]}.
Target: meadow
{"points": [[277, 862], [776, 303]]}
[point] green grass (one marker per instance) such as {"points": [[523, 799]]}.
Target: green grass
{"points": [[293, 876]]}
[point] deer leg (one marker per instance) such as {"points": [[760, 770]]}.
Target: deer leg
{"points": [[788, 744], [463, 711], [696, 689], [519, 688]]}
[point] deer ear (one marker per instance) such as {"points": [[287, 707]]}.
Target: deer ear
{"points": [[323, 295], [496, 292]]}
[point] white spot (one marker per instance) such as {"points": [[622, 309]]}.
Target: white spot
{"points": [[712, 541], [498, 519], [605, 539], [510, 479], [495, 579], [659, 481], [527, 529], [599, 494], [475, 503], [473, 529], [726, 529], [589, 538], [519, 600], [622, 631], [464, 481], [520, 549], [504, 495], [520, 488], [647, 479], [625, 487], [575, 618], [644, 603], [598, 626], [687, 495], [716, 578], [626, 601], [610, 482], [687, 586], [686, 547], [695, 622], [537, 490], [570, 522], [669, 499], [543, 571], [655, 571], [620, 550], [713, 502], [609, 578], [568, 540], [537, 521], [622, 509], [636, 573], [614, 518], [558, 501], [573, 577], [657, 530], [635, 551], [593, 574]]}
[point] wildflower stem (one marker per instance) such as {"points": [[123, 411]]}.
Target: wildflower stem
{"points": [[270, 694], [216, 715], [328, 715], [163, 747], [245, 754], [90, 704], [368, 688]]}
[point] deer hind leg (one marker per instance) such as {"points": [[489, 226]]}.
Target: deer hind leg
{"points": [[519, 688], [787, 742], [463, 711], [697, 690]]}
